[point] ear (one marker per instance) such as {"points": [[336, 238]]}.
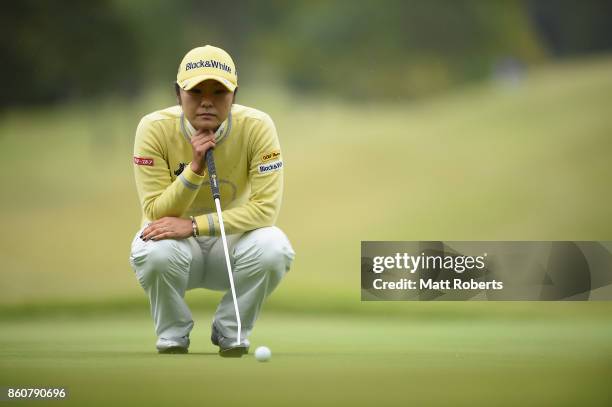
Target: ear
{"points": [[177, 91]]}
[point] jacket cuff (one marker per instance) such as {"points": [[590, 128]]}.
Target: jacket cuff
{"points": [[190, 179], [207, 225]]}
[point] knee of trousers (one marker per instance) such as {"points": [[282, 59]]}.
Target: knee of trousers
{"points": [[168, 259], [268, 248]]}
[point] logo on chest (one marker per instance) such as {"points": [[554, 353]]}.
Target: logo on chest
{"points": [[180, 169]]}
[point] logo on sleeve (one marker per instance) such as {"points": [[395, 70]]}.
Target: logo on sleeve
{"points": [[143, 161], [270, 167], [270, 156]]}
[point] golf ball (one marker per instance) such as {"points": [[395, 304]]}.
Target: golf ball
{"points": [[263, 353]]}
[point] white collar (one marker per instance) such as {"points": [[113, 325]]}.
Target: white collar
{"points": [[189, 129]]}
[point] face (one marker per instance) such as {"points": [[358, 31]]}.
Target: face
{"points": [[206, 105]]}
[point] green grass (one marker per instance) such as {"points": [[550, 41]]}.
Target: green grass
{"points": [[320, 360], [481, 163]]}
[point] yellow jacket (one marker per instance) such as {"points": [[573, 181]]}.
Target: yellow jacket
{"points": [[249, 171]]}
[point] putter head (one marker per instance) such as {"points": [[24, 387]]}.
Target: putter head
{"points": [[236, 352]]}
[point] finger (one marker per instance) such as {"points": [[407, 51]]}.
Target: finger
{"points": [[155, 235], [198, 143], [202, 148], [148, 235], [156, 226], [164, 235], [152, 230], [205, 147], [203, 139], [145, 232]]}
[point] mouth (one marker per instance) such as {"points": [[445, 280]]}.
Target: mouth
{"points": [[207, 115]]}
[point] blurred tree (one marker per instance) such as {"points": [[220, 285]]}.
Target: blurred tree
{"points": [[56, 50], [367, 48], [359, 49], [570, 27]]}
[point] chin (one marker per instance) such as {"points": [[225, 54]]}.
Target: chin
{"points": [[207, 125]]}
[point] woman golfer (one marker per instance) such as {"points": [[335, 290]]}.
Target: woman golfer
{"points": [[179, 246]]}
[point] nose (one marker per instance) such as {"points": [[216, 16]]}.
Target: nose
{"points": [[206, 100]]}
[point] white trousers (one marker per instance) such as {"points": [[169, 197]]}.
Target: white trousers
{"points": [[167, 268]]}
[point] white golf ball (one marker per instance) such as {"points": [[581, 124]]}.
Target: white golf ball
{"points": [[263, 353]]}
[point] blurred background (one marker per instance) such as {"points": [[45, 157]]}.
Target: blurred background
{"points": [[401, 120]]}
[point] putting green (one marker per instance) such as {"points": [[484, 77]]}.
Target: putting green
{"points": [[110, 360]]}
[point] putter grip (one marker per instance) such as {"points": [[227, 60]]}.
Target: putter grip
{"points": [[212, 174]]}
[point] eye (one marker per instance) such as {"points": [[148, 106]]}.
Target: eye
{"points": [[221, 91], [195, 91]]}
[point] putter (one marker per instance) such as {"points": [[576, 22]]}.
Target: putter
{"points": [[214, 187]]}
